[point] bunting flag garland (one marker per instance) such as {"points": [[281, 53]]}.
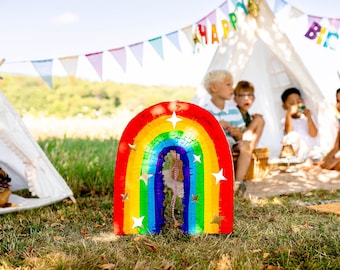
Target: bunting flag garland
{"points": [[212, 17], [334, 23], [120, 55], [44, 68], [188, 34], [157, 44], [137, 50], [295, 13], [225, 8], [279, 4], [96, 59], [173, 37], [212, 28], [70, 65], [312, 19], [202, 21]]}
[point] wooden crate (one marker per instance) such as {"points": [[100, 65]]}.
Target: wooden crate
{"points": [[258, 167]]}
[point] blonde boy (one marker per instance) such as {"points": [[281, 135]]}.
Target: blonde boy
{"points": [[219, 84]]}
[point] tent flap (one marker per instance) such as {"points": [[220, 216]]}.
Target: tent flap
{"points": [[260, 52], [26, 164]]}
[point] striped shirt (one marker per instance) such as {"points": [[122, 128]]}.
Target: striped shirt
{"points": [[230, 114]]}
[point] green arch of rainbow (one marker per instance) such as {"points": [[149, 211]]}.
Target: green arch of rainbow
{"points": [[144, 142]]}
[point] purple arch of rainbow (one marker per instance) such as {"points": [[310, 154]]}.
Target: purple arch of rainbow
{"points": [[204, 151]]}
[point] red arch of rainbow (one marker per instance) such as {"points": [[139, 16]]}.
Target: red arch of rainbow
{"points": [[208, 169]]}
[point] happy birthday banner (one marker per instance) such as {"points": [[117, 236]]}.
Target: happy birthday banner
{"points": [[325, 35], [211, 29]]}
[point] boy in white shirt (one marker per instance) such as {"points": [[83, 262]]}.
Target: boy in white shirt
{"points": [[299, 127]]}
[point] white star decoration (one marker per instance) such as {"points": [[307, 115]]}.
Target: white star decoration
{"points": [[219, 176], [197, 158], [174, 119], [145, 177], [137, 222]]}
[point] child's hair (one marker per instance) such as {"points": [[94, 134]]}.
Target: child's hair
{"points": [[244, 85], [288, 92], [214, 76], [338, 91]]}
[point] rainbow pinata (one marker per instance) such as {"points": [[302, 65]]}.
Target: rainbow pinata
{"points": [[206, 171]]}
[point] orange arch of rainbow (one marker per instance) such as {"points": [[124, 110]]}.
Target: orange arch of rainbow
{"points": [[196, 135]]}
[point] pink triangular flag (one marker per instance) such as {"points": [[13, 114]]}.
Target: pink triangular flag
{"points": [[96, 59], [137, 50], [174, 38], [70, 64], [202, 21], [334, 23], [224, 7], [120, 55], [44, 68], [312, 19], [157, 44], [188, 33], [279, 4], [212, 17]]}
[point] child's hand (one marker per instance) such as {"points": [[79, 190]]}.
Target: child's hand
{"points": [[307, 113], [236, 132], [225, 125]]}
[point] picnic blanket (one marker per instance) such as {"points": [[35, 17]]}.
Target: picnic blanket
{"points": [[302, 181]]}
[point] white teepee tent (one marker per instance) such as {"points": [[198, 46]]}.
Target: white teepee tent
{"points": [[26, 164], [260, 52]]}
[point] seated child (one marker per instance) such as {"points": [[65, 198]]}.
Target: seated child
{"points": [[299, 127], [219, 84], [244, 98], [331, 161]]}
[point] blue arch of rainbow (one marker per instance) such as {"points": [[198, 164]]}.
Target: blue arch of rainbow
{"points": [[138, 180]]}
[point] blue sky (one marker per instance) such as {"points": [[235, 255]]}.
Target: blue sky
{"points": [[40, 29]]}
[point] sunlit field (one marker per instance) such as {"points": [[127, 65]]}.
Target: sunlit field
{"points": [[268, 233]]}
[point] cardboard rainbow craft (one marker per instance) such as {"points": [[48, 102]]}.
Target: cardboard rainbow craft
{"points": [[206, 173]]}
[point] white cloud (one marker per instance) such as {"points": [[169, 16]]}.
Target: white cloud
{"points": [[64, 19]]}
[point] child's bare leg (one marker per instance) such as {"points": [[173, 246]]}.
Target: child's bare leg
{"points": [[254, 131], [337, 166], [330, 164], [243, 160]]}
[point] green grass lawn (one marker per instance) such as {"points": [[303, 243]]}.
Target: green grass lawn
{"points": [[269, 233]]}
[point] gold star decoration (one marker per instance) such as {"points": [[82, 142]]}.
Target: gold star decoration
{"points": [[194, 198], [217, 220], [125, 197], [132, 147]]}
